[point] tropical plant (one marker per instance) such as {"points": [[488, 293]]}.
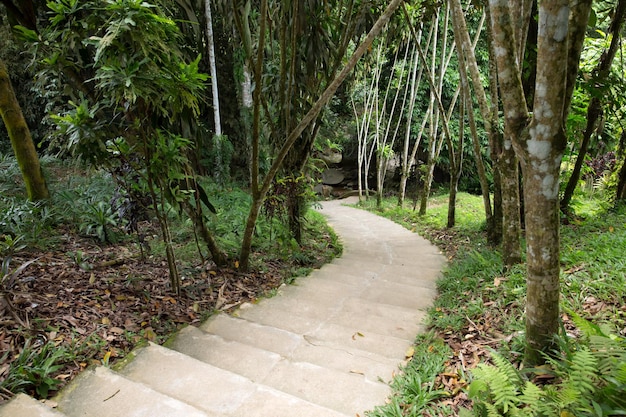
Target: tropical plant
{"points": [[98, 221], [135, 92], [588, 379], [34, 369]]}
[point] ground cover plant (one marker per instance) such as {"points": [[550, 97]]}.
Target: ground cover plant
{"points": [[77, 290], [484, 333]]}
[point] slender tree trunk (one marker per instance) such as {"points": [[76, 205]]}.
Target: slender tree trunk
{"points": [[202, 230], [594, 109], [217, 138], [384, 156], [620, 194], [259, 193], [478, 157], [456, 164], [21, 140], [489, 117]]}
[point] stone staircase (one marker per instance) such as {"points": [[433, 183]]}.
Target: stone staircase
{"points": [[325, 347]]}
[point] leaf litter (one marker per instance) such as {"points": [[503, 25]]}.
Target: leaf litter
{"points": [[97, 310]]}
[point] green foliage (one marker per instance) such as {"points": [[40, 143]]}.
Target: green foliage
{"points": [[8, 276], [34, 369], [589, 380], [98, 220], [10, 244], [30, 221], [414, 389]]}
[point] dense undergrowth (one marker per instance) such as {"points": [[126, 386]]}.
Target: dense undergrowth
{"points": [[483, 335], [77, 290]]}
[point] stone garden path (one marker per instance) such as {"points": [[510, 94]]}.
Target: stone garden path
{"points": [[324, 347]]}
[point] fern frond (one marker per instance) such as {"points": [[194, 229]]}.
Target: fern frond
{"points": [[531, 394], [508, 369], [503, 390], [492, 411], [531, 401], [583, 375], [620, 373], [586, 327]]}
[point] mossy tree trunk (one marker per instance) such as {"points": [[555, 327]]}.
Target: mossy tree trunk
{"points": [[21, 140]]}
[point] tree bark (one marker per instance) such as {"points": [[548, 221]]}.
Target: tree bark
{"points": [[220, 169], [490, 116], [21, 140], [539, 142], [456, 163]]}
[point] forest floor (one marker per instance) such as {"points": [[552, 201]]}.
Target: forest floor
{"points": [[83, 303]]}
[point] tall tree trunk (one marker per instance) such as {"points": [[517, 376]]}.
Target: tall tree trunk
{"points": [[510, 194], [620, 194], [539, 141], [489, 116], [21, 140], [456, 162], [594, 109], [406, 160], [220, 170]]}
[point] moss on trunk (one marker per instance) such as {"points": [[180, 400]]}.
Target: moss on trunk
{"points": [[21, 140]]}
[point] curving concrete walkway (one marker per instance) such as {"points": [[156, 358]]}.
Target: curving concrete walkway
{"points": [[324, 347]]}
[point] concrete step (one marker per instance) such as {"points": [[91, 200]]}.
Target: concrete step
{"points": [[100, 392], [256, 364], [216, 391], [24, 406], [206, 387], [286, 343], [240, 358], [283, 342], [343, 274], [355, 312], [263, 337], [346, 390], [267, 402]]}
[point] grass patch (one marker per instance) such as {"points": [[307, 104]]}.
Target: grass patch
{"points": [[416, 387]]}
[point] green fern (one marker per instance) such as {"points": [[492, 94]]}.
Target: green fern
{"points": [[590, 380], [583, 375], [512, 374], [503, 383], [535, 399]]}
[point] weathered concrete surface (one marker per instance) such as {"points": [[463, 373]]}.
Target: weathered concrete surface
{"points": [[324, 347]]}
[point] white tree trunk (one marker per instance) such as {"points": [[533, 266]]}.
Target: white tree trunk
{"points": [[213, 67]]}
